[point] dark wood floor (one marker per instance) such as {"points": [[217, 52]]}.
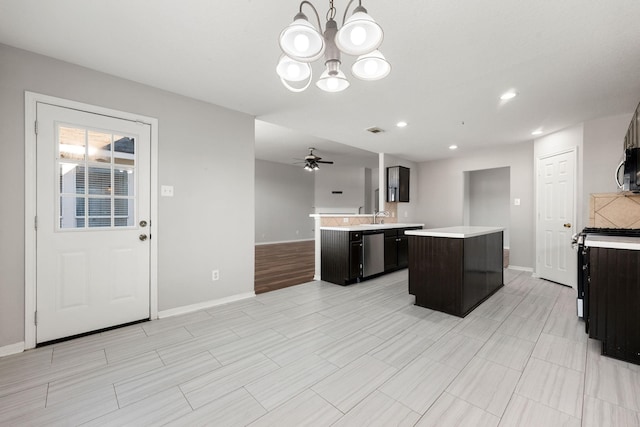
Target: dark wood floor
{"points": [[280, 265]]}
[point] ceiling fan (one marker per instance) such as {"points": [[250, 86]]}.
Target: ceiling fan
{"points": [[311, 161]]}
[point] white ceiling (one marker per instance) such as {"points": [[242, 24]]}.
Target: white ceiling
{"points": [[570, 61]]}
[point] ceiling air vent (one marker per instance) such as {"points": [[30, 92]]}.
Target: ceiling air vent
{"points": [[375, 129]]}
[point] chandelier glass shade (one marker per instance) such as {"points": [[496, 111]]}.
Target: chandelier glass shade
{"points": [[360, 34], [371, 66], [294, 75], [302, 43], [336, 82]]}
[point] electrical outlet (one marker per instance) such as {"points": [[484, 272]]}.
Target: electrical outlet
{"points": [[345, 219], [166, 191], [516, 202], [215, 275]]}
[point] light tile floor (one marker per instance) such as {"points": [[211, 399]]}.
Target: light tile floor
{"points": [[319, 354]]}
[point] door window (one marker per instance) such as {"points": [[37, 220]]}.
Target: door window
{"points": [[96, 178]]}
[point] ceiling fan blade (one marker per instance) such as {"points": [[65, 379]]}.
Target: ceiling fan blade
{"points": [[324, 161]]}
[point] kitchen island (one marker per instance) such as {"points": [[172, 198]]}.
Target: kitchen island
{"points": [[454, 269]]}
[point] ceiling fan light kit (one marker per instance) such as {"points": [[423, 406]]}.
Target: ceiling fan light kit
{"points": [[311, 161], [301, 44]]}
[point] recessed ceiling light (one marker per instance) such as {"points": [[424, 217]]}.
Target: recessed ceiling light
{"points": [[508, 95], [536, 132], [453, 147], [401, 124]]}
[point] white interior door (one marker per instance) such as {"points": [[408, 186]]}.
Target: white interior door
{"points": [[93, 206], [556, 259]]}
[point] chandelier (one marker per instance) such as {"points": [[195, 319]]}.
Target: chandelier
{"points": [[301, 44]]}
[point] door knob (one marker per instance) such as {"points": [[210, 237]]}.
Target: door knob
{"points": [[567, 225], [142, 237], [143, 223]]}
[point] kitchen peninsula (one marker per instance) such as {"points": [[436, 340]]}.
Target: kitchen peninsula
{"points": [[351, 254], [454, 269]]}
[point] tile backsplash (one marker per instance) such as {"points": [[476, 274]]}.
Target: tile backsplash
{"points": [[614, 210], [338, 221]]}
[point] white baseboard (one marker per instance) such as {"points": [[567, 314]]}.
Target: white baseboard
{"points": [[203, 305], [515, 267], [12, 349]]}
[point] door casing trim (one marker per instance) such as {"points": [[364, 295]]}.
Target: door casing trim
{"points": [[31, 99]]}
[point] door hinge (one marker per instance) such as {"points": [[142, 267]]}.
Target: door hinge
{"points": [[35, 222], [35, 127], [35, 317]]}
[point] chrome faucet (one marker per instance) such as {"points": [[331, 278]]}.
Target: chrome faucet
{"points": [[379, 213]]}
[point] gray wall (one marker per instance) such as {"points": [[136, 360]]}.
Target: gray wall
{"points": [[600, 144], [488, 201], [349, 180], [603, 149], [441, 193], [406, 210], [206, 152], [284, 200]]}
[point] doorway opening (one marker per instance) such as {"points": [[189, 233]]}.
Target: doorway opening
{"points": [[487, 201]]}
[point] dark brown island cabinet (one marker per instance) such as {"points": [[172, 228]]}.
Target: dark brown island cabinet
{"points": [[454, 269], [614, 295], [356, 253]]}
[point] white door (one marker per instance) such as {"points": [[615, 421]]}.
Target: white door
{"points": [[556, 259], [93, 205]]}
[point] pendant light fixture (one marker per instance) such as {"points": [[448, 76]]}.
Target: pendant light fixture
{"points": [[301, 44]]}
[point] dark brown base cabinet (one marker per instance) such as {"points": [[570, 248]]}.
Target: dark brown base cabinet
{"points": [[396, 249], [614, 302], [455, 275], [341, 256]]}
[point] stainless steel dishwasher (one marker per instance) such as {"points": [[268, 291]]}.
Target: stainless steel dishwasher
{"points": [[373, 253]]}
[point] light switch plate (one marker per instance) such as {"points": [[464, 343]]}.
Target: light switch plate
{"points": [[166, 191]]}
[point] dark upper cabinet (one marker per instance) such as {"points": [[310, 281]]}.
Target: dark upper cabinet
{"points": [[397, 184], [632, 138]]}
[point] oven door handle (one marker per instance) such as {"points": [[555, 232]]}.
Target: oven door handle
{"points": [[618, 174]]}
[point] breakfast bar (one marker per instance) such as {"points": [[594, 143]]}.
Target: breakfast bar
{"points": [[454, 269]]}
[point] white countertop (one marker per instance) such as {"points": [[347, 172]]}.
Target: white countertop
{"points": [[366, 227], [340, 215], [460, 232], [613, 242]]}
